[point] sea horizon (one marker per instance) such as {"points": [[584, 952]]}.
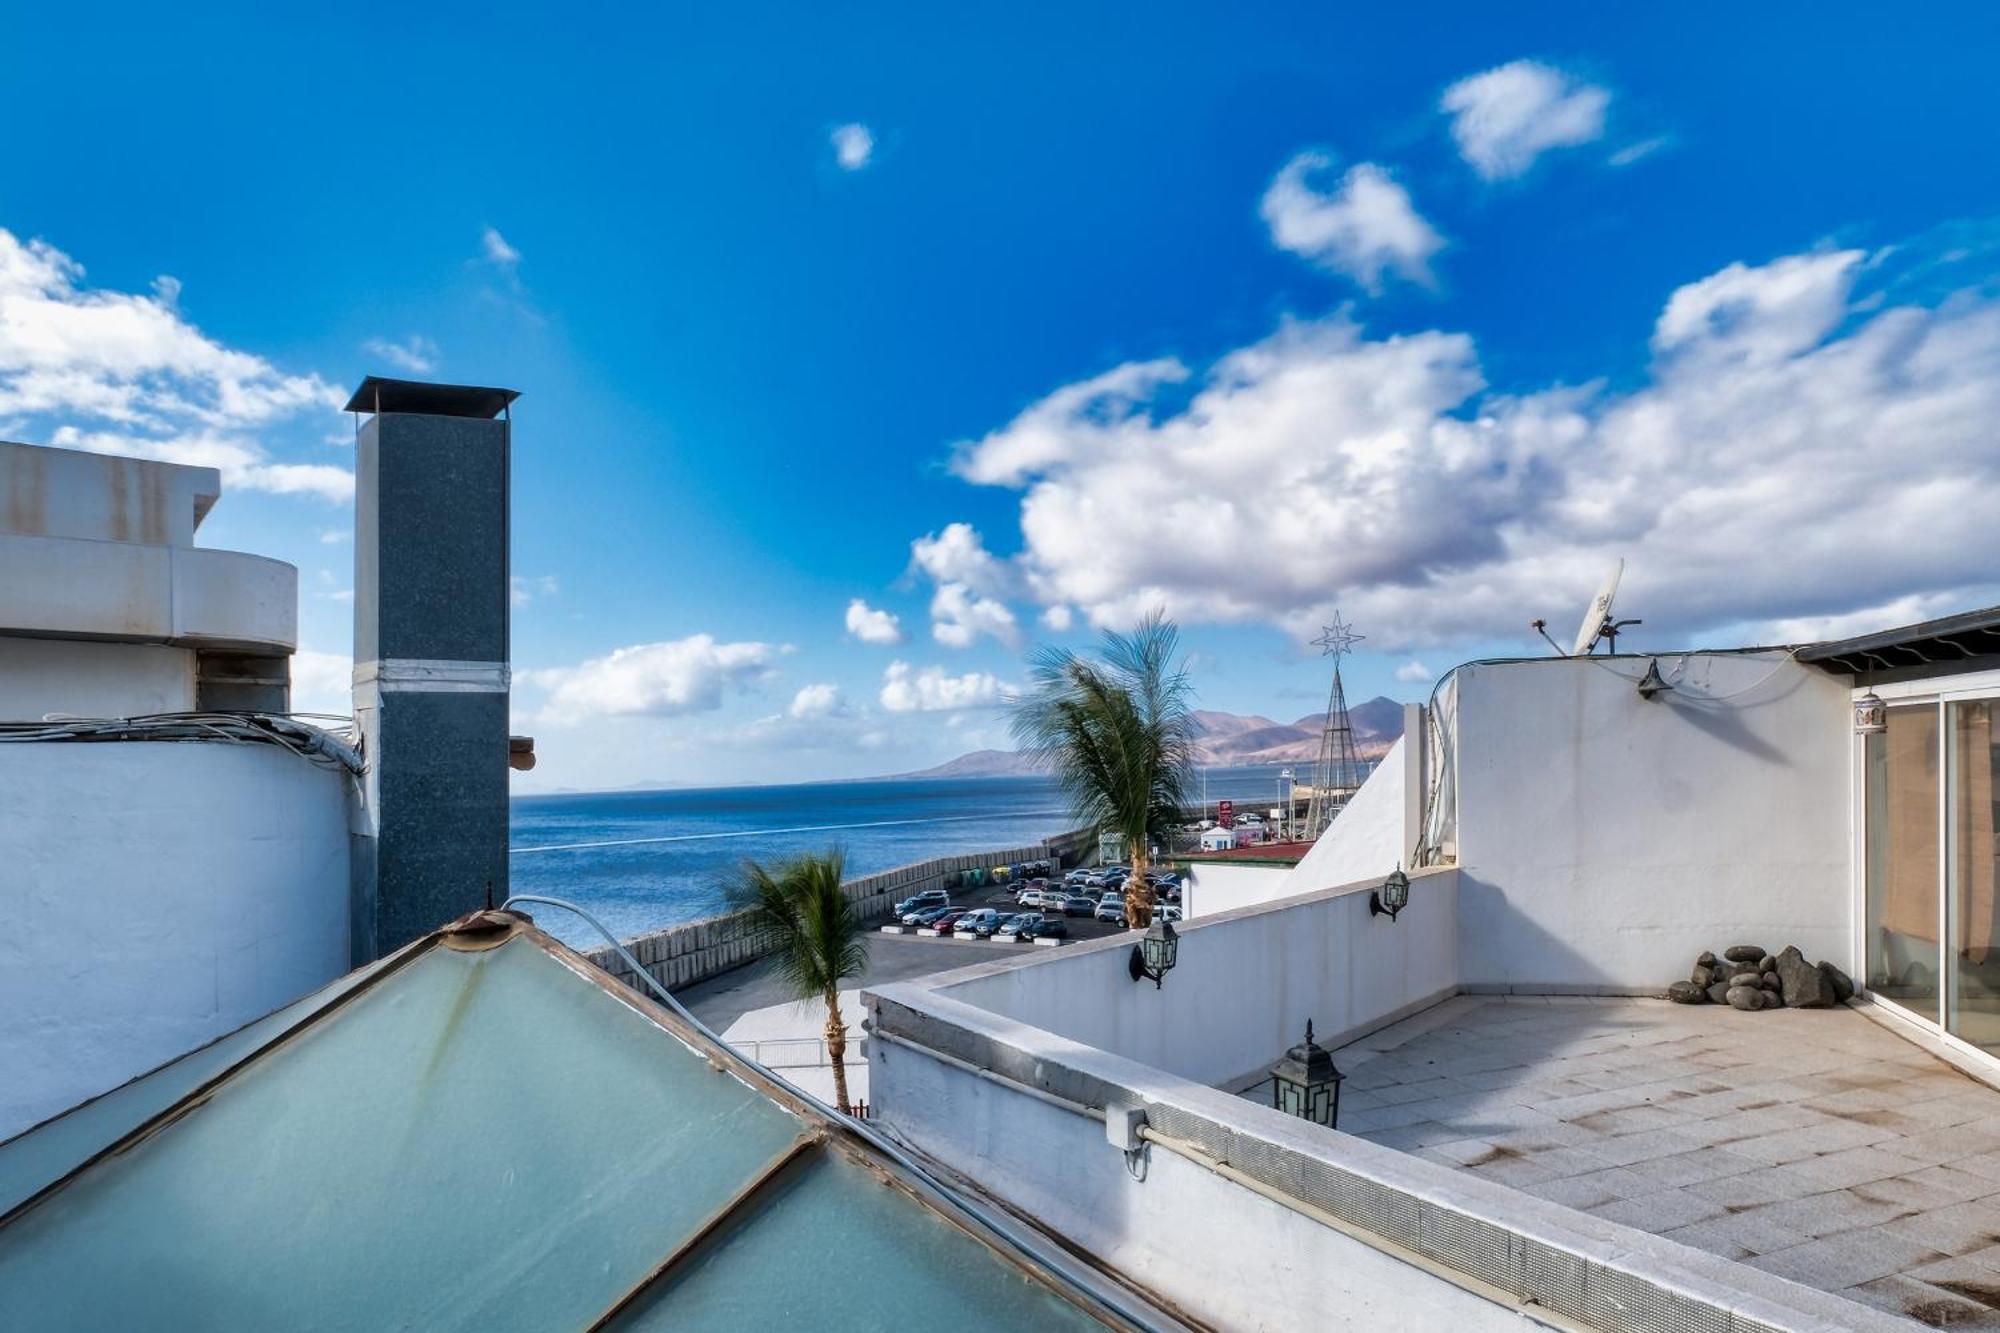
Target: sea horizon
{"points": [[646, 858]]}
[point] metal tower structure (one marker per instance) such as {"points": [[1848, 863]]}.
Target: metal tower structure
{"points": [[1338, 771]]}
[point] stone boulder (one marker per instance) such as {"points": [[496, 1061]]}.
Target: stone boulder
{"points": [[1843, 985], [1747, 998], [1804, 986], [1719, 993], [1767, 964], [1703, 976], [1707, 959], [1770, 981], [1744, 953], [1686, 992]]}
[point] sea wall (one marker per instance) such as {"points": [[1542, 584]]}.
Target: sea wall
{"points": [[697, 950]]}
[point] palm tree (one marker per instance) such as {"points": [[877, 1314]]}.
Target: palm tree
{"points": [[1117, 733], [816, 934]]}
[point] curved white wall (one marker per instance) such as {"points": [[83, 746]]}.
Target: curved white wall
{"points": [[1605, 839], [154, 895]]}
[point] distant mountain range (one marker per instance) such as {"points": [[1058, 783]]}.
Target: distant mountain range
{"points": [[1224, 740]]}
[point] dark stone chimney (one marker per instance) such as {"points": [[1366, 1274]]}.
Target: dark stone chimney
{"points": [[431, 676]]}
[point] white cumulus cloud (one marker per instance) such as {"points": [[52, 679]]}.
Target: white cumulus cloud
{"points": [[970, 584], [933, 689], [853, 146], [416, 354], [871, 625], [1364, 226], [1507, 117], [126, 373], [654, 679], [820, 699], [959, 616], [958, 555], [322, 683], [1413, 672], [1802, 447], [493, 246]]}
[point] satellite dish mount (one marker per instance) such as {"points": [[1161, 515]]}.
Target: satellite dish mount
{"points": [[1598, 624]]}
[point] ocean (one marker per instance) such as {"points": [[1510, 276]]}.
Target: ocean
{"points": [[640, 860]]}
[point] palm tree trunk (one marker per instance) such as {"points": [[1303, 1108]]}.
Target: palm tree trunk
{"points": [[836, 1052], [1138, 893]]}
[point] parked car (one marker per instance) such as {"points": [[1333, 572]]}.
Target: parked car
{"points": [[982, 922], [1052, 928], [1080, 875], [917, 902], [1078, 904], [1168, 913], [944, 921], [924, 916], [1111, 907], [1020, 926]]}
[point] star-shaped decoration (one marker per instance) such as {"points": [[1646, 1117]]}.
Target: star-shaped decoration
{"points": [[1338, 638]]}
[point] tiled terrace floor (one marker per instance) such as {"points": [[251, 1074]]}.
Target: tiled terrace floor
{"points": [[1814, 1144]]}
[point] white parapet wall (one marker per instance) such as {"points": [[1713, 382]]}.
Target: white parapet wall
{"points": [[1033, 1076], [1605, 839], [1221, 884], [1372, 835], [156, 895], [1246, 983]]}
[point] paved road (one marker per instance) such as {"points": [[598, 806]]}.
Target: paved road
{"points": [[722, 1000]]}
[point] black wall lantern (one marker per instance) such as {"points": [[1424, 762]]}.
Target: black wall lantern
{"points": [[1306, 1084], [1392, 897], [1155, 953]]}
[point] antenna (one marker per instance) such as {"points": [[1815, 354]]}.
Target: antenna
{"points": [[1337, 773], [1597, 622]]}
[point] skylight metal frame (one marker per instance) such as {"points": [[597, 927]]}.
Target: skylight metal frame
{"points": [[822, 1131]]}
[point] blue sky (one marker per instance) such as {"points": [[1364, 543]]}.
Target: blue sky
{"points": [[1425, 316]]}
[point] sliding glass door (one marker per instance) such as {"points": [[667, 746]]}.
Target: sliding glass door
{"points": [[1900, 784], [1971, 766]]}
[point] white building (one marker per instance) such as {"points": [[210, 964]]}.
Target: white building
{"points": [[178, 856], [167, 873], [1533, 1136]]}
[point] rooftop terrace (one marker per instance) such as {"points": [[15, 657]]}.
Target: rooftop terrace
{"points": [[1816, 1145]]}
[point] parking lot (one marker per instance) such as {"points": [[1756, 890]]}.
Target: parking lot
{"points": [[1001, 899]]}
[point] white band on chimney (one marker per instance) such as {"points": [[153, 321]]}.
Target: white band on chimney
{"points": [[404, 675]]}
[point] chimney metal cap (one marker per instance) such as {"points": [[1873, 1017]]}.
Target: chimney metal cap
{"points": [[377, 394]]}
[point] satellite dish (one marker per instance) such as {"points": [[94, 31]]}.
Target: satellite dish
{"points": [[1598, 616]]}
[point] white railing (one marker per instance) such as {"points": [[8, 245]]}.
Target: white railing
{"points": [[795, 1052]]}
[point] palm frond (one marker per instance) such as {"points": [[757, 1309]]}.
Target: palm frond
{"points": [[815, 933], [1116, 732]]}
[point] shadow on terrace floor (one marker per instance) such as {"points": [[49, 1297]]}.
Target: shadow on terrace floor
{"points": [[1813, 1144]]}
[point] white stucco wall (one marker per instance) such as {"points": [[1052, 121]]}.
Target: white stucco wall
{"points": [[1223, 1252], [1368, 838], [1245, 984], [156, 895], [1605, 840], [39, 677], [1224, 886]]}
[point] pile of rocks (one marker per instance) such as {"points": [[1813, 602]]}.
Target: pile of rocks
{"points": [[1746, 977]]}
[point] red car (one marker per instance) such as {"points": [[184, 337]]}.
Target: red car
{"points": [[942, 925]]}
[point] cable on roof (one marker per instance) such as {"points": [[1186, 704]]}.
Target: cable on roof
{"points": [[316, 745]]}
